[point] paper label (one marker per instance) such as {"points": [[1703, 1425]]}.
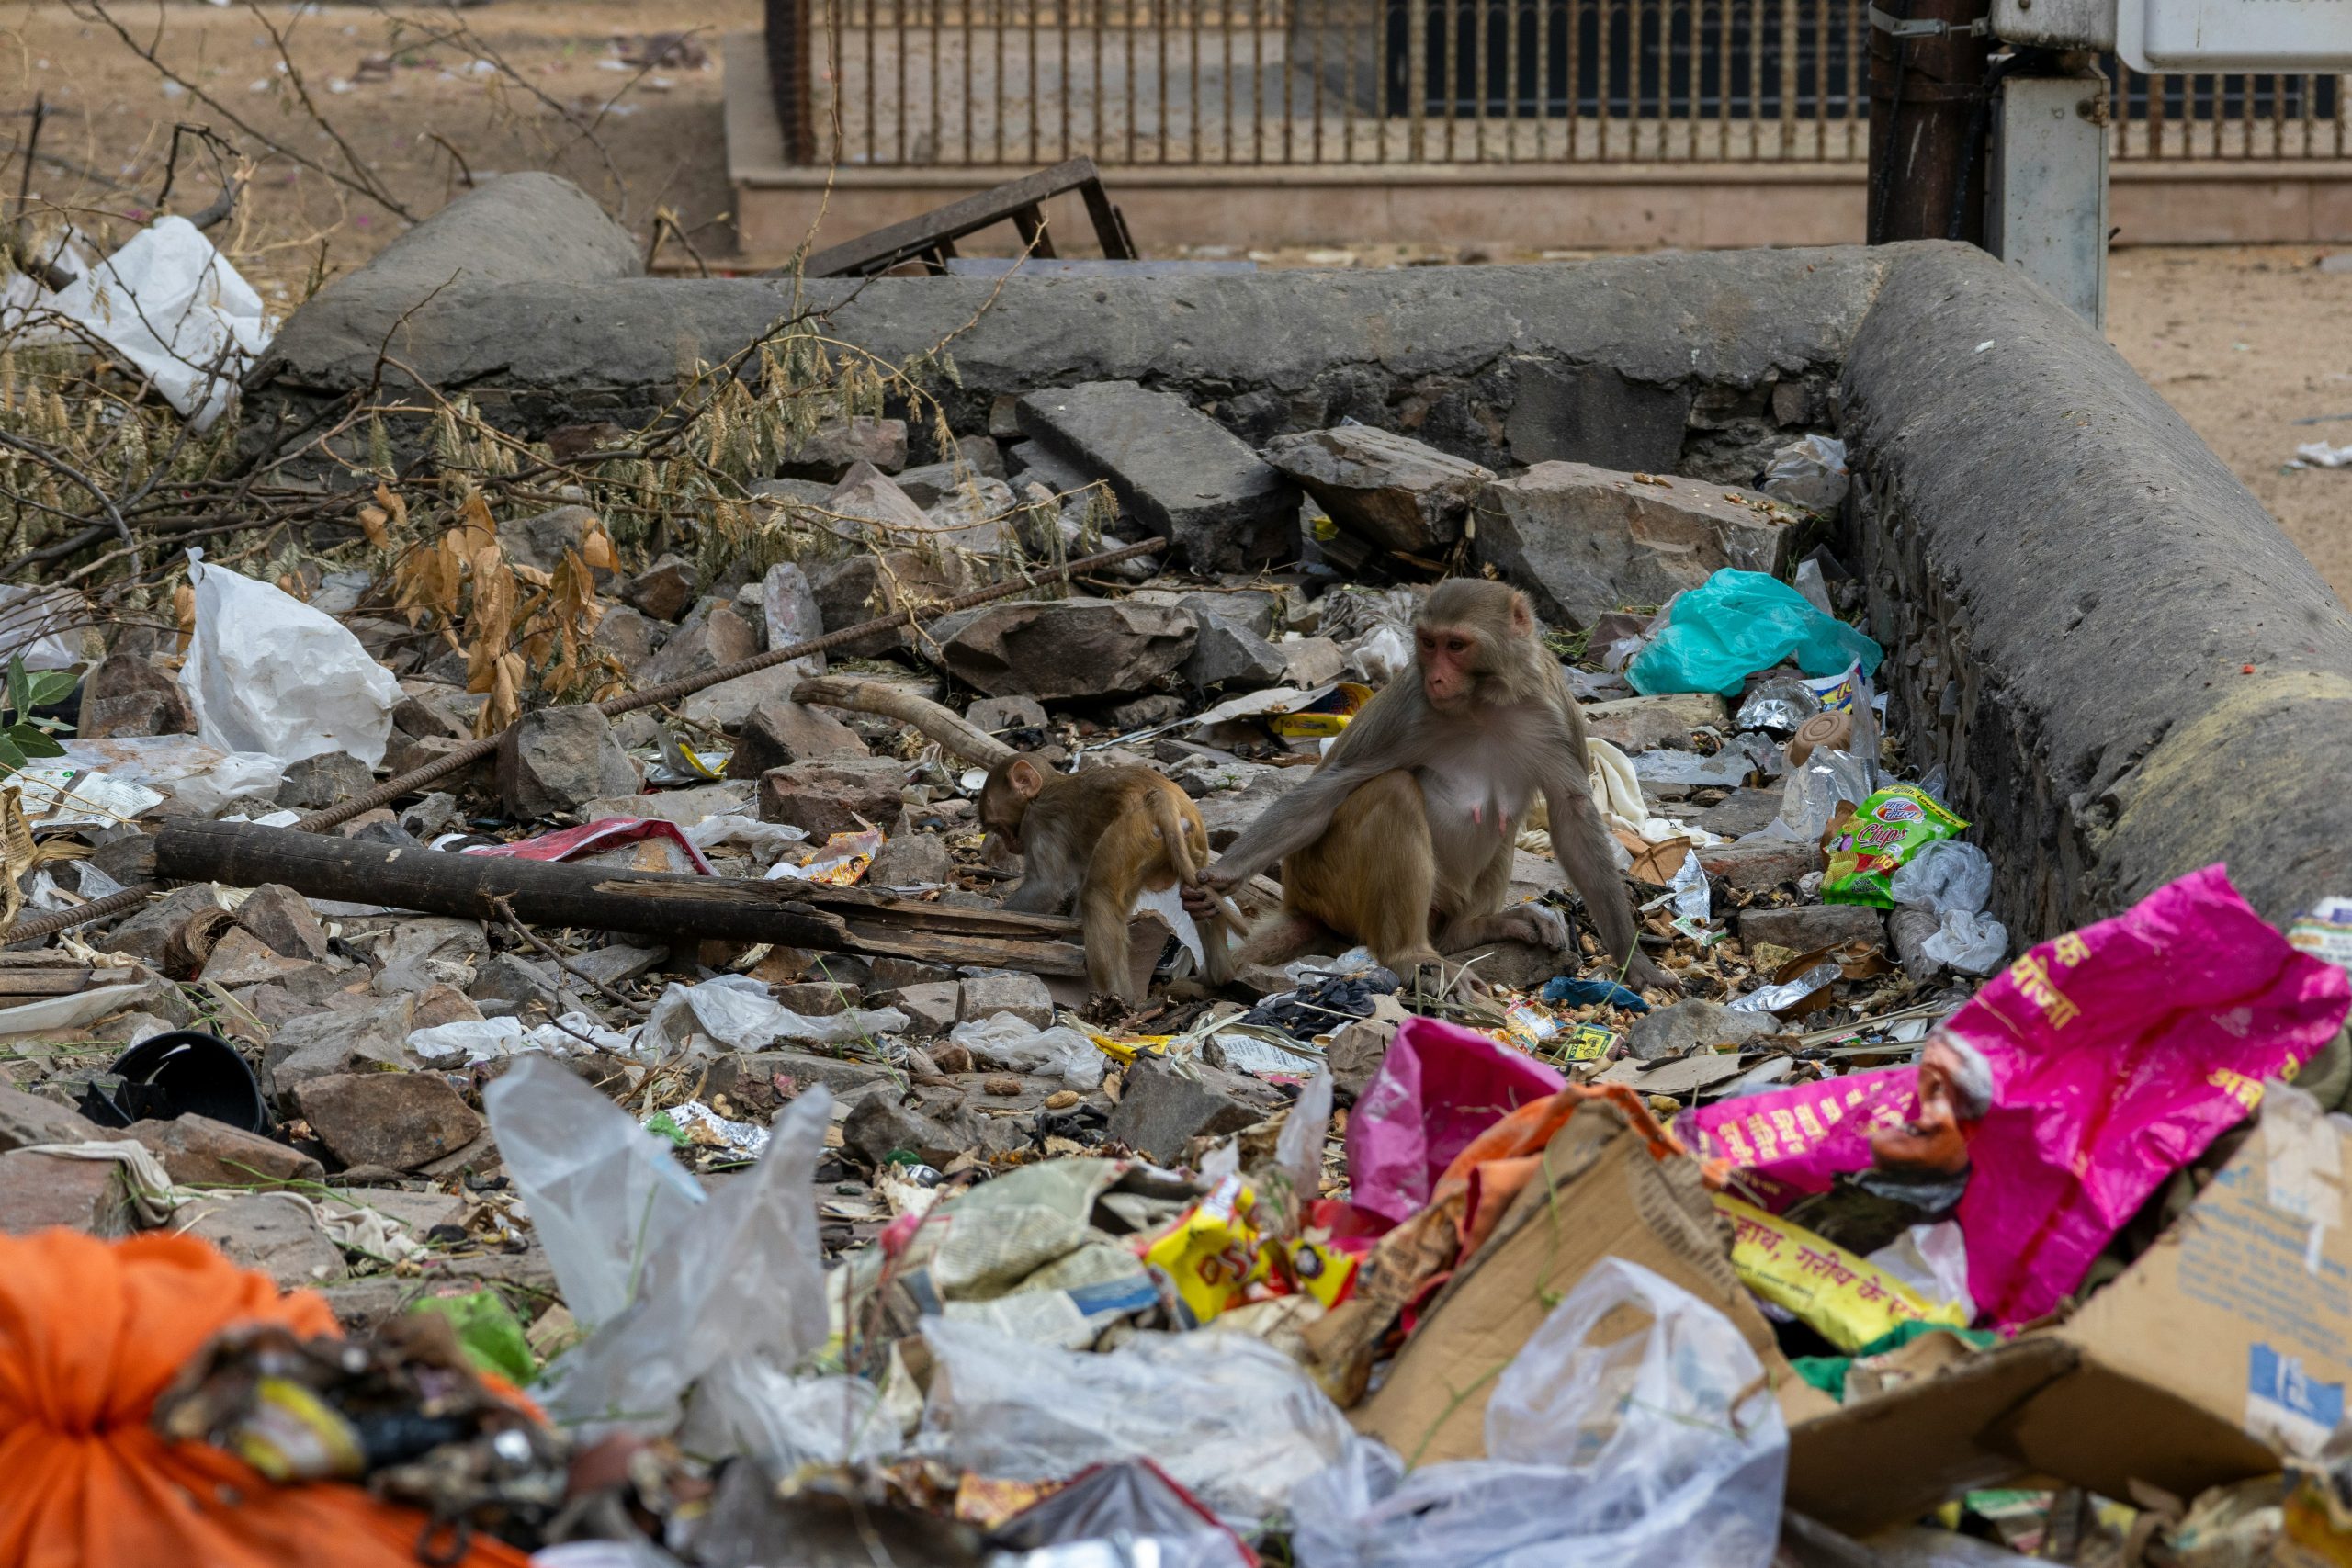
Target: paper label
{"points": [[2285, 1408]]}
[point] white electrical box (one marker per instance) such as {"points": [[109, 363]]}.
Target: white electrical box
{"points": [[2186, 35]]}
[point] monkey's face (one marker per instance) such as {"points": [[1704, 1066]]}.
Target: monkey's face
{"points": [[1449, 659], [1004, 799], [1001, 809]]}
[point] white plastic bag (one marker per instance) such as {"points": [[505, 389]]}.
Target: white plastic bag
{"points": [[1665, 1447], [1019, 1046], [172, 305], [1945, 875], [1972, 944], [1232, 1419], [265, 672], [677, 1285]]}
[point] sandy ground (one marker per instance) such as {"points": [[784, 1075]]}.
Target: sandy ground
{"points": [[2243, 340]]}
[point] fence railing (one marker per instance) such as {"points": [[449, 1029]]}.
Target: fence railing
{"points": [[1135, 83]]}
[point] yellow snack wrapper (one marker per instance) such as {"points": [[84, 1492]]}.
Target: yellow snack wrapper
{"points": [[1321, 1271], [1326, 716], [1848, 1300], [1212, 1255]]}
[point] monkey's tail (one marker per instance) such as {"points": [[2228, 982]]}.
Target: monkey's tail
{"points": [[1171, 823], [1217, 932]]}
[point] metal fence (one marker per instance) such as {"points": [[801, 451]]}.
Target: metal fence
{"points": [[1004, 82]]}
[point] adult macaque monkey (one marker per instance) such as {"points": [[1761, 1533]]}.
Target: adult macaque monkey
{"points": [[1401, 839]]}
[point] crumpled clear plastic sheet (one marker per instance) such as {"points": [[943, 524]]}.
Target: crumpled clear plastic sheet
{"points": [[267, 673], [760, 1411], [1202, 1549], [1810, 794], [1020, 1046], [1933, 1260], [1778, 705], [487, 1039], [45, 627], [204, 779], [736, 1011], [1970, 942], [1945, 875], [1665, 1447], [1234, 1421], [672, 1283], [1809, 472], [1789, 993], [764, 842]]}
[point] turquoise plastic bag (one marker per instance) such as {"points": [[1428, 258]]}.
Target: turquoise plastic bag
{"points": [[1737, 623]]}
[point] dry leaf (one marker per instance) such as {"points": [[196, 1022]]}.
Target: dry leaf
{"points": [[15, 850]]}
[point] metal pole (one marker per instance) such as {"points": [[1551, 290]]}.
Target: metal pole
{"points": [[1927, 60]]}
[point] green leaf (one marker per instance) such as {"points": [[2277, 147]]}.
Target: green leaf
{"points": [[488, 1332], [21, 689], [33, 741], [51, 686], [10, 757]]}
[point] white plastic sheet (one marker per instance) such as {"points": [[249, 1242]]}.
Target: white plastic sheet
{"points": [[1665, 1447], [267, 673], [172, 305]]}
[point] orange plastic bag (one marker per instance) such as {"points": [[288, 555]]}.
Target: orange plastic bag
{"points": [[90, 1333]]}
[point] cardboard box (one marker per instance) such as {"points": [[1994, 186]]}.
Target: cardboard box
{"points": [[1601, 1194], [2224, 1347]]}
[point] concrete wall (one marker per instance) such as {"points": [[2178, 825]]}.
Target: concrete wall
{"points": [[2071, 584], [1696, 362]]}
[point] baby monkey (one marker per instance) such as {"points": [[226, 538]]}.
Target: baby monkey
{"points": [[1106, 835]]}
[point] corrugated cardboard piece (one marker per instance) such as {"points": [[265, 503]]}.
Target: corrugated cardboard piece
{"points": [[1602, 1194], [2226, 1345]]}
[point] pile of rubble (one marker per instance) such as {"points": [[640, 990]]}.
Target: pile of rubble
{"points": [[681, 1062]]}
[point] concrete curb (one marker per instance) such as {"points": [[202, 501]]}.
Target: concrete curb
{"points": [[2072, 586]]}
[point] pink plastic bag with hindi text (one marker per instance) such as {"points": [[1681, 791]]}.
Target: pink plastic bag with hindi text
{"points": [[1439, 1086], [2117, 1054]]}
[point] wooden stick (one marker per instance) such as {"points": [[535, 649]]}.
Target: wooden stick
{"points": [[958, 735], [485, 888]]}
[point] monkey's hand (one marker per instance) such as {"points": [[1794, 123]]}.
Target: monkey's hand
{"points": [[1201, 899]]}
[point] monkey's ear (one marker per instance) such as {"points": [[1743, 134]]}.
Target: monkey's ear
{"points": [[1522, 616], [1024, 778]]}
